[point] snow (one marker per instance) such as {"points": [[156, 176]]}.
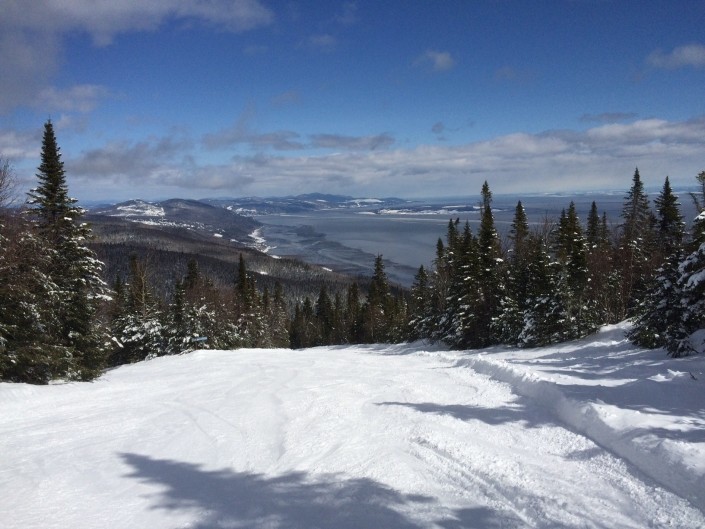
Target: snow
{"points": [[141, 208], [259, 242], [589, 434]]}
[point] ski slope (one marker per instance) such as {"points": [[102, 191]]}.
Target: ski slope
{"points": [[591, 434]]}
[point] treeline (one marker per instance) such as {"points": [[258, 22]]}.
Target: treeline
{"points": [[562, 280], [549, 282]]}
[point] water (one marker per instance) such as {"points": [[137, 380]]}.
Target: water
{"points": [[349, 240]]}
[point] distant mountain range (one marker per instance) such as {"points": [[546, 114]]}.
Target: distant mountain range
{"points": [[300, 203]]}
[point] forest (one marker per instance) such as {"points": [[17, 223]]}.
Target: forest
{"points": [[72, 305]]}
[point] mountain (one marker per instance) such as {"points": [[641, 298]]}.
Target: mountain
{"points": [[169, 233], [301, 203], [190, 214]]}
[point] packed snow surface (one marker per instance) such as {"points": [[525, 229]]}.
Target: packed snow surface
{"points": [[591, 434]]}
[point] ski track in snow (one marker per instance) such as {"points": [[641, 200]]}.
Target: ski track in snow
{"points": [[351, 437]]}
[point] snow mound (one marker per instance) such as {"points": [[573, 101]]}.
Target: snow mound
{"points": [[636, 403]]}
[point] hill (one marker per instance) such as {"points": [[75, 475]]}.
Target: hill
{"points": [[594, 433], [168, 234]]}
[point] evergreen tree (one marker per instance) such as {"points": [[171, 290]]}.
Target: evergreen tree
{"points": [[571, 251], [682, 336], [698, 228], [508, 325], [74, 268], [592, 232], [277, 320], [545, 317], [490, 274], [137, 328], [636, 245], [324, 317], [29, 351], [420, 310], [353, 314], [671, 227], [660, 309], [687, 335], [377, 311]]}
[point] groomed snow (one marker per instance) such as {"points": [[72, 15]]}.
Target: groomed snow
{"points": [[592, 434]]}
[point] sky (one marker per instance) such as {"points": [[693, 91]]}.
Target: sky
{"points": [[407, 98]]}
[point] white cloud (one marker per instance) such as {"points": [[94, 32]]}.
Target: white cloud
{"points": [[600, 158], [340, 141], [692, 55], [78, 98], [438, 61]]}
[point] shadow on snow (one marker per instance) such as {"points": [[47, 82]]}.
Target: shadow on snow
{"points": [[226, 498]]}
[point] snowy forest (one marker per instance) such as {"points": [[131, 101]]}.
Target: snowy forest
{"points": [[550, 281]]}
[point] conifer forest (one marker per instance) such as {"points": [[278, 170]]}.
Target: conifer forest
{"points": [[549, 281]]}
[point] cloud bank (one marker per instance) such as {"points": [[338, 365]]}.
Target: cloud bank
{"points": [[599, 158]]}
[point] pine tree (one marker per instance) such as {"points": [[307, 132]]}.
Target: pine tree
{"points": [[74, 269]]}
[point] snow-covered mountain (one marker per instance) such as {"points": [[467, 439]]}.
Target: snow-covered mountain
{"points": [[588, 434], [302, 204], [181, 213]]}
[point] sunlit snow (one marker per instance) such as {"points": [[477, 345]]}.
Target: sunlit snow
{"points": [[589, 434]]}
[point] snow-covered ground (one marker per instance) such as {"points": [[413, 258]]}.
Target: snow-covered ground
{"points": [[591, 434]]}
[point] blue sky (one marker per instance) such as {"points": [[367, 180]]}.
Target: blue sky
{"points": [[411, 98]]}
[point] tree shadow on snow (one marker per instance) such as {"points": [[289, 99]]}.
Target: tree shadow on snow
{"points": [[522, 413], [224, 498]]}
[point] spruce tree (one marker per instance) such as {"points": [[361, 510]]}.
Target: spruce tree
{"points": [[490, 275], [636, 245], [660, 309], [507, 326], [74, 268], [671, 227], [420, 309]]}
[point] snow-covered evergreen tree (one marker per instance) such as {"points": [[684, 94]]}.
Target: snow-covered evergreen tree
{"points": [[137, 327], [687, 336], [637, 245], [661, 310], [74, 268]]}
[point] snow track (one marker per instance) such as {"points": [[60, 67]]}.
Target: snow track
{"points": [[342, 437]]}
